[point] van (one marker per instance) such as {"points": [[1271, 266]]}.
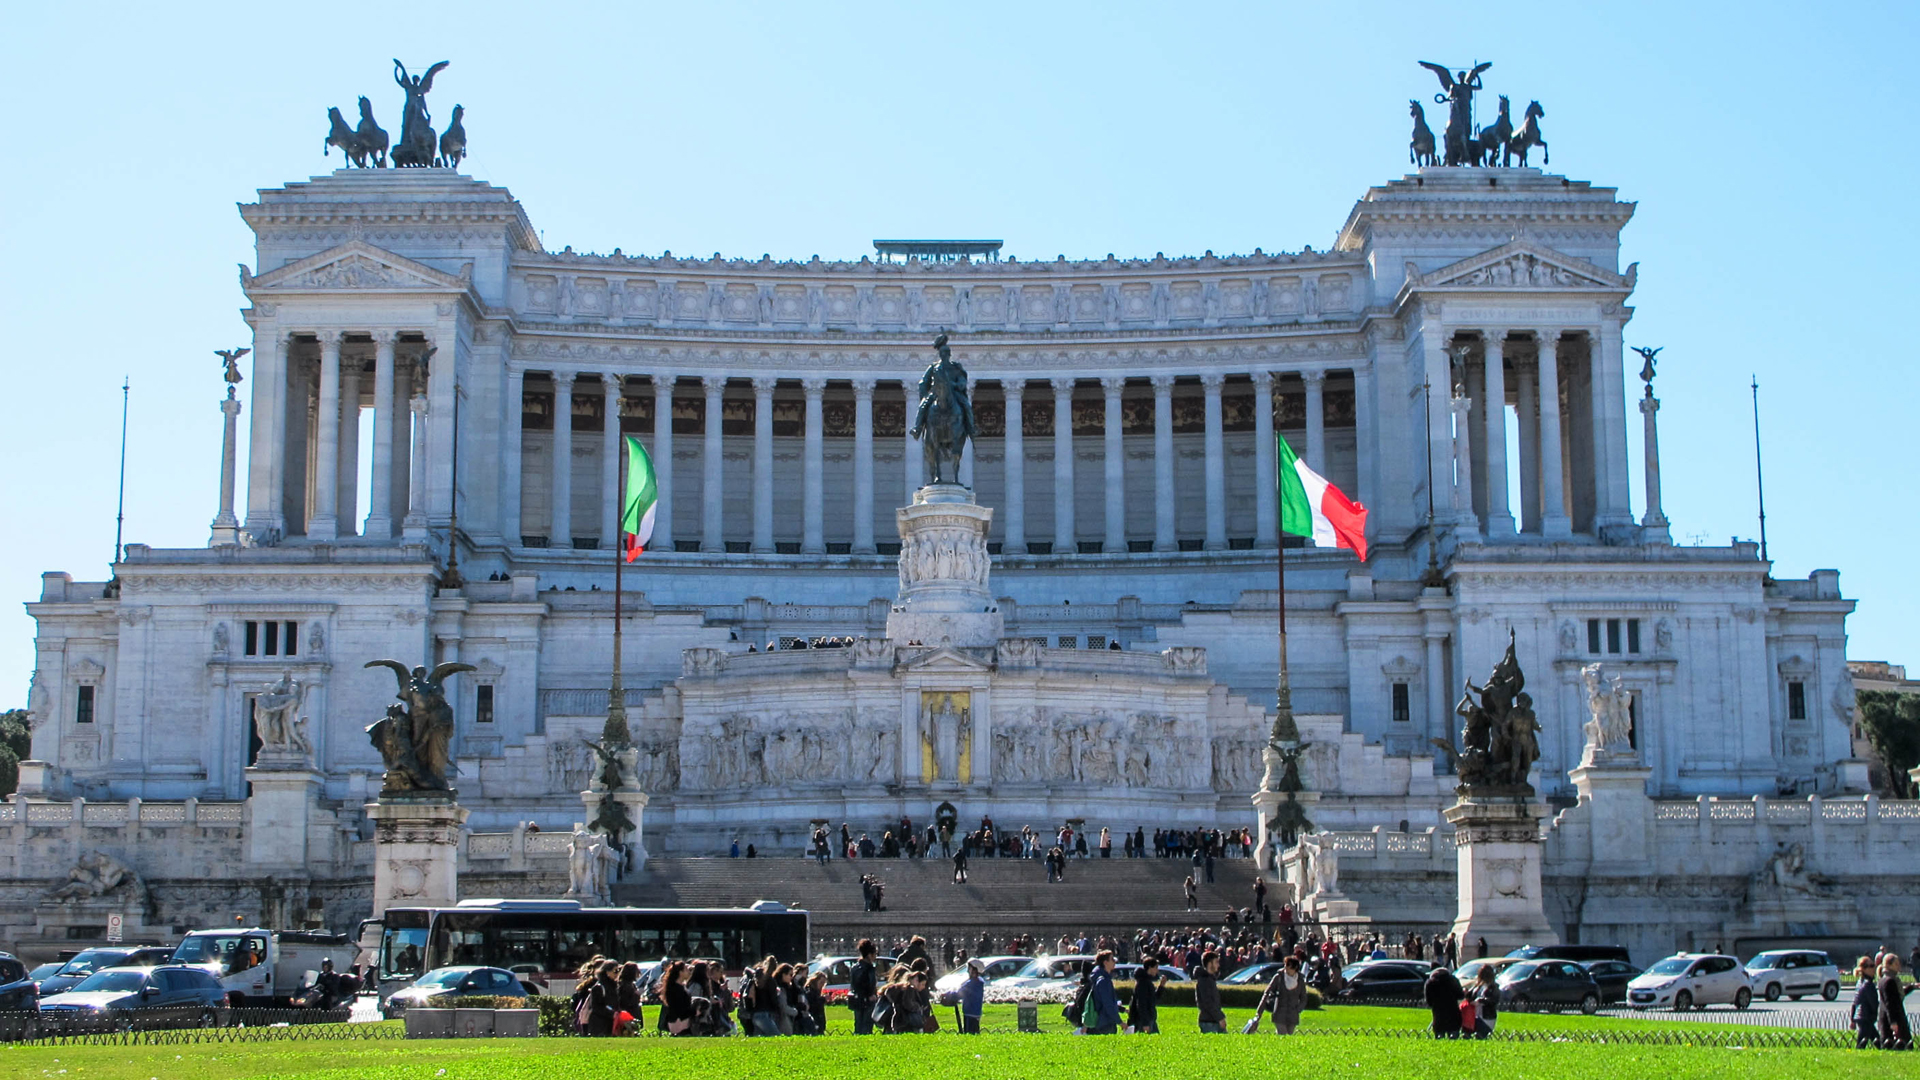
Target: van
{"points": [[1579, 954]]}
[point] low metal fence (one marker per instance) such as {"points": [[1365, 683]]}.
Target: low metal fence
{"points": [[181, 1024]]}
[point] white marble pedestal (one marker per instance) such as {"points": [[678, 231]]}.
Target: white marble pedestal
{"points": [[280, 810], [1265, 805], [1615, 789], [416, 853], [944, 599], [1499, 852], [633, 800]]}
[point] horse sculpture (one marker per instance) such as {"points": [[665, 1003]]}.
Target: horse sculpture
{"points": [[1421, 150], [1491, 143], [944, 422], [1528, 136], [342, 136], [453, 143], [373, 138]]}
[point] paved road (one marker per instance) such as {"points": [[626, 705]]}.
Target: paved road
{"points": [[1808, 1012]]}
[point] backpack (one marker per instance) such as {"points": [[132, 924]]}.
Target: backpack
{"points": [[883, 1012], [1090, 1014]]}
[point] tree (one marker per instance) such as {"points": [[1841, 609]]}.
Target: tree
{"points": [[16, 742], [1891, 723]]}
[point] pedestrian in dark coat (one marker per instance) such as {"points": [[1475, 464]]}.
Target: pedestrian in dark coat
{"points": [[1443, 998], [1206, 995], [1895, 1032], [1143, 1013], [1866, 1005], [1101, 995]]}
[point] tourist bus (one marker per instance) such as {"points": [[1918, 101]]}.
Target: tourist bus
{"points": [[546, 941]]}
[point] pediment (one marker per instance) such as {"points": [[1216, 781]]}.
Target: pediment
{"points": [[946, 658], [356, 264], [1523, 264]]}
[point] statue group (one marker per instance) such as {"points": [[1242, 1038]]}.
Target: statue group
{"points": [[415, 739], [366, 146], [944, 421], [1497, 144], [1500, 740]]}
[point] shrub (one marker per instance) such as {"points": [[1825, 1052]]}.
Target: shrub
{"points": [[477, 1001], [556, 1014]]}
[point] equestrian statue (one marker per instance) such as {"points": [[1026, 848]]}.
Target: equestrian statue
{"points": [[944, 421]]}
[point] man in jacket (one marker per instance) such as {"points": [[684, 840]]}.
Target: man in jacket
{"points": [[1101, 996], [863, 986], [973, 998], [1206, 995], [1143, 1013]]}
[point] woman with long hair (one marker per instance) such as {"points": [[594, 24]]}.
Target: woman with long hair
{"points": [[627, 1000], [676, 1003], [1895, 1032], [815, 996], [1866, 1004]]}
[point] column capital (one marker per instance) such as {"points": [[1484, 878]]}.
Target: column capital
{"points": [[814, 385], [663, 384], [1549, 338], [1063, 384], [714, 384], [763, 385], [863, 387], [612, 383], [1494, 334], [329, 337], [1162, 384], [1012, 389], [1113, 384], [385, 338], [562, 375], [1263, 381], [1314, 377], [1213, 381]]}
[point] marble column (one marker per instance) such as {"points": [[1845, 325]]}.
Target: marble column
{"points": [[1164, 538], [1439, 702], [226, 527], [1112, 436], [1014, 522], [1554, 522], [1612, 500], [763, 464], [912, 453], [267, 440], [560, 529], [1493, 409], [1363, 433], [712, 536], [1527, 416], [1436, 388], [813, 470], [325, 524], [347, 500], [1216, 476], [1653, 525], [965, 471], [1316, 449], [863, 466], [1266, 515], [1065, 541], [511, 439], [414, 528], [613, 385], [662, 450], [379, 523], [1462, 409]]}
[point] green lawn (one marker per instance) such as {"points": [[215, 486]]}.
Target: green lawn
{"points": [[999, 1055]]}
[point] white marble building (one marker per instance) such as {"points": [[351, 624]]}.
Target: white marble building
{"points": [[1126, 412]]}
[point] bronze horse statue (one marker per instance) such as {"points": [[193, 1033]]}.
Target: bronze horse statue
{"points": [[373, 138], [944, 422], [1491, 143], [1421, 150], [453, 142], [1529, 136], [342, 136]]}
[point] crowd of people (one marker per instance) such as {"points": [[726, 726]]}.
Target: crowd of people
{"points": [[908, 841]]}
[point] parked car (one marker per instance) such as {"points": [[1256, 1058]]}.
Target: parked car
{"points": [[997, 967], [125, 989], [1795, 973], [87, 961], [839, 969], [1127, 972], [1613, 977], [1548, 984], [1579, 954], [1691, 981], [1044, 971], [46, 970], [1470, 970], [1252, 975], [454, 982], [1399, 980], [18, 991]]}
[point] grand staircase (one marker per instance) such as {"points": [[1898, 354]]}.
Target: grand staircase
{"points": [[1002, 897]]}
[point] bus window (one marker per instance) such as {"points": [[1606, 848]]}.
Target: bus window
{"points": [[575, 945], [516, 947], [641, 944], [401, 950]]}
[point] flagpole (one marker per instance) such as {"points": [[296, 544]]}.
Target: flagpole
{"points": [[615, 735], [1759, 476]]}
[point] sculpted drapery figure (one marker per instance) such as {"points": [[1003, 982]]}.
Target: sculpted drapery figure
{"points": [[1609, 726], [417, 145], [1500, 739], [1457, 94], [415, 738], [944, 421]]}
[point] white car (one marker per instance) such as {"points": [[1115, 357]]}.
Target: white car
{"points": [[1043, 971], [1691, 981], [1795, 973], [998, 967]]}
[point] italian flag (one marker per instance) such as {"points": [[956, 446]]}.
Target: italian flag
{"points": [[1309, 506], [636, 510]]}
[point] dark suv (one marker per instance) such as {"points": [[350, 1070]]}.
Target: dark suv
{"points": [[88, 961], [1579, 954]]}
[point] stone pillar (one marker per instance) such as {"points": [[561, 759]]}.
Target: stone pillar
{"points": [[1065, 540], [712, 537], [416, 853], [1015, 522], [1316, 420], [1499, 853], [1364, 432], [763, 464], [347, 499], [1164, 538], [325, 524], [965, 470], [1462, 409], [1611, 498], [1438, 390], [663, 460], [1653, 525], [863, 543], [1527, 416], [226, 527], [1216, 476], [280, 809], [944, 593], [912, 454], [613, 385], [561, 529], [813, 470], [1116, 465], [1554, 522], [415, 525], [1493, 408], [267, 439], [512, 439], [379, 523], [1266, 515], [1613, 790]]}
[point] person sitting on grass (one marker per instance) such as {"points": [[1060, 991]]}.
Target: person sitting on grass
{"points": [[1486, 1002], [1443, 995]]}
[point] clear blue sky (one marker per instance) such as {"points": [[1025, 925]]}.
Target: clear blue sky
{"points": [[1769, 146]]}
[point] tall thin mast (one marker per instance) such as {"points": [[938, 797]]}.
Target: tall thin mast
{"points": [[120, 509], [1759, 476], [616, 734]]}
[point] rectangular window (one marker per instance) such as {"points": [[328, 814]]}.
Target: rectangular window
{"points": [[1402, 708], [270, 631], [83, 706], [1096, 641], [1593, 635], [1633, 636], [1796, 700], [291, 639], [1067, 641], [1613, 635], [483, 704], [252, 638]]}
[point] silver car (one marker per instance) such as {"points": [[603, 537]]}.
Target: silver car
{"points": [[1797, 973]]}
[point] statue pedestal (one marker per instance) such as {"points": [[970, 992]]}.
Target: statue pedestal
{"points": [[1614, 789], [279, 812], [634, 802], [1499, 852], [416, 852], [944, 599], [1265, 805]]}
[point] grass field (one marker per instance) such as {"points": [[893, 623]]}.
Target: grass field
{"points": [[999, 1055]]}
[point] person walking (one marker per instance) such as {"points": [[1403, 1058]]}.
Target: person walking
{"points": [[863, 987], [1102, 1011], [1193, 893], [1106, 843], [1486, 1001], [973, 998], [1209, 865], [1866, 1004], [960, 865], [815, 996], [1443, 994], [1143, 1013], [1206, 995], [1895, 1032], [1286, 997]]}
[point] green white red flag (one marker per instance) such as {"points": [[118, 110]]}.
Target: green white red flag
{"points": [[642, 496], [1311, 507]]}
